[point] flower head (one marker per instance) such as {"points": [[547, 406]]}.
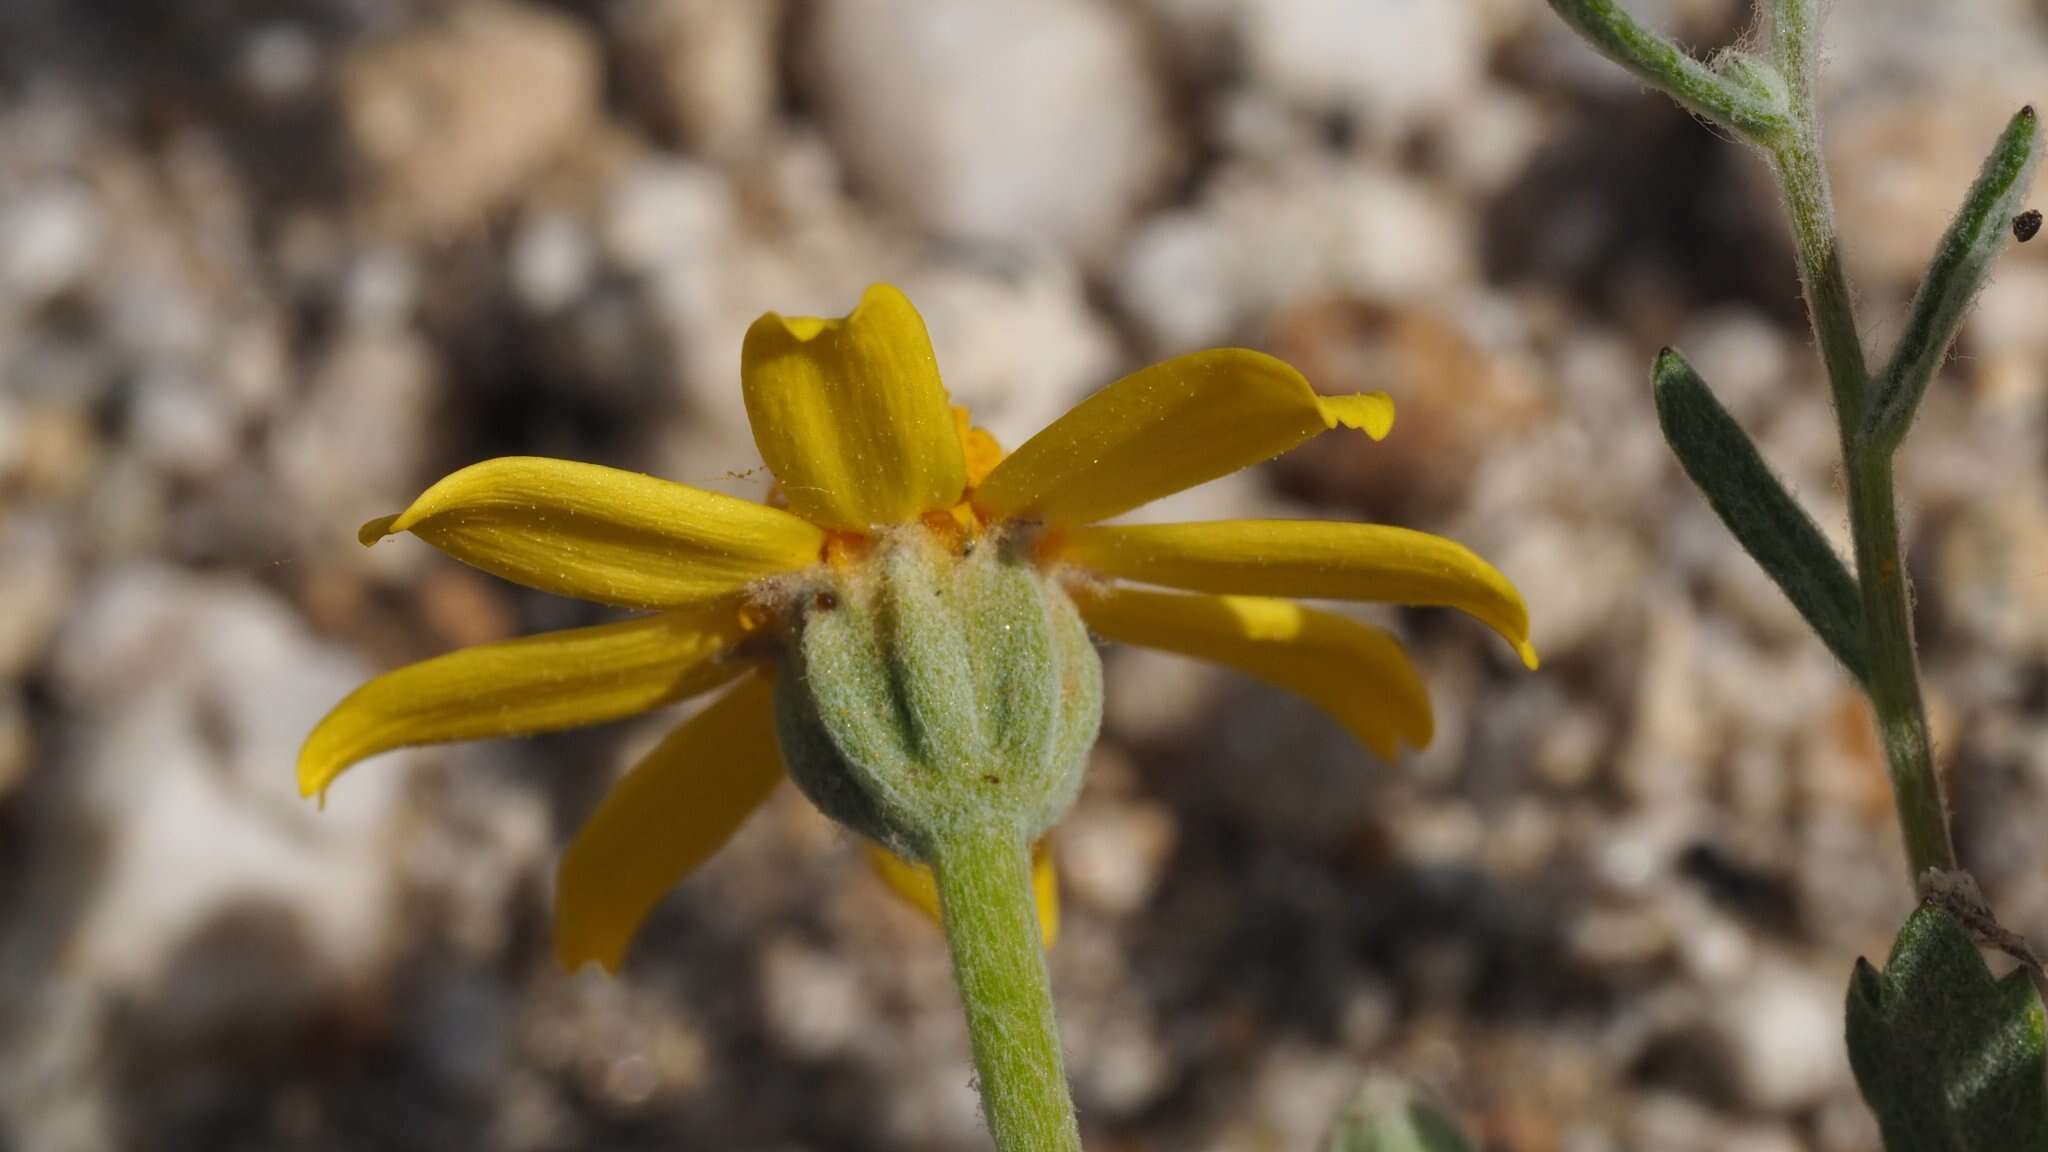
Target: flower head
{"points": [[882, 484]]}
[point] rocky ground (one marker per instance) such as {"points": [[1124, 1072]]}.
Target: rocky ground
{"points": [[266, 270]]}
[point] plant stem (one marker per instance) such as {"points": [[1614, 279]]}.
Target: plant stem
{"points": [[1894, 684], [984, 882], [1894, 673]]}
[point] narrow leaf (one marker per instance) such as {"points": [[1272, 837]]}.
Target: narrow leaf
{"points": [[1768, 523], [1950, 1059], [1979, 232], [1662, 65]]}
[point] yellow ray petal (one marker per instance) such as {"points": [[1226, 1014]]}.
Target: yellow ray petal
{"points": [[1165, 428], [913, 882], [1353, 671], [850, 415], [603, 534], [1307, 558], [676, 807], [534, 684]]}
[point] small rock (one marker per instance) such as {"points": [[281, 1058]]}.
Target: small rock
{"points": [[1453, 403], [1573, 745], [128, 510], [1296, 1093], [1488, 139], [36, 572], [255, 366], [281, 62], [1572, 576], [708, 67], [664, 214], [552, 263], [479, 863], [180, 426], [1392, 63], [812, 999], [1017, 350], [353, 448], [1672, 1123], [1176, 280], [451, 120], [1111, 857], [1743, 357], [1127, 1067], [212, 842], [49, 241], [1011, 122], [1265, 237], [1779, 1032], [381, 288]]}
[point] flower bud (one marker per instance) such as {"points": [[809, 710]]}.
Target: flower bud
{"points": [[931, 694]]}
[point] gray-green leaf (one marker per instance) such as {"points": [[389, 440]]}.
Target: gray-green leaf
{"points": [[1979, 232], [1751, 102], [1950, 1059], [1765, 519]]}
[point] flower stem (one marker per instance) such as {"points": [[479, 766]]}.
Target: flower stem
{"points": [[984, 882], [1894, 683], [1894, 672]]}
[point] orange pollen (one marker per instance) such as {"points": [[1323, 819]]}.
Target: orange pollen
{"points": [[947, 528], [846, 549]]}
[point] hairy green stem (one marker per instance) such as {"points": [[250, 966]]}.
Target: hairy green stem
{"points": [[984, 881], [1894, 672], [1894, 683]]}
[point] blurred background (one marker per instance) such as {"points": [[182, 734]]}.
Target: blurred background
{"points": [[270, 267]]}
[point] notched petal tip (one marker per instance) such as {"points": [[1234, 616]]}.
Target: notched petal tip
{"points": [[1165, 428], [802, 329], [877, 298], [850, 415], [1370, 412], [881, 295], [375, 530]]}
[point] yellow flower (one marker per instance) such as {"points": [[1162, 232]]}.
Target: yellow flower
{"points": [[851, 417]]}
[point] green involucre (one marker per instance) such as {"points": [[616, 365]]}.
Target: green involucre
{"points": [[930, 693]]}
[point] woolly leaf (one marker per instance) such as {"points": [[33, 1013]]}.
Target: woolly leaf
{"points": [[1765, 519], [1962, 263]]}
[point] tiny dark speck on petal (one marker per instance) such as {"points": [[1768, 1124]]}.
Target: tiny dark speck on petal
{"points": [[825, 601], [991, 779], [2026, 225]]}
